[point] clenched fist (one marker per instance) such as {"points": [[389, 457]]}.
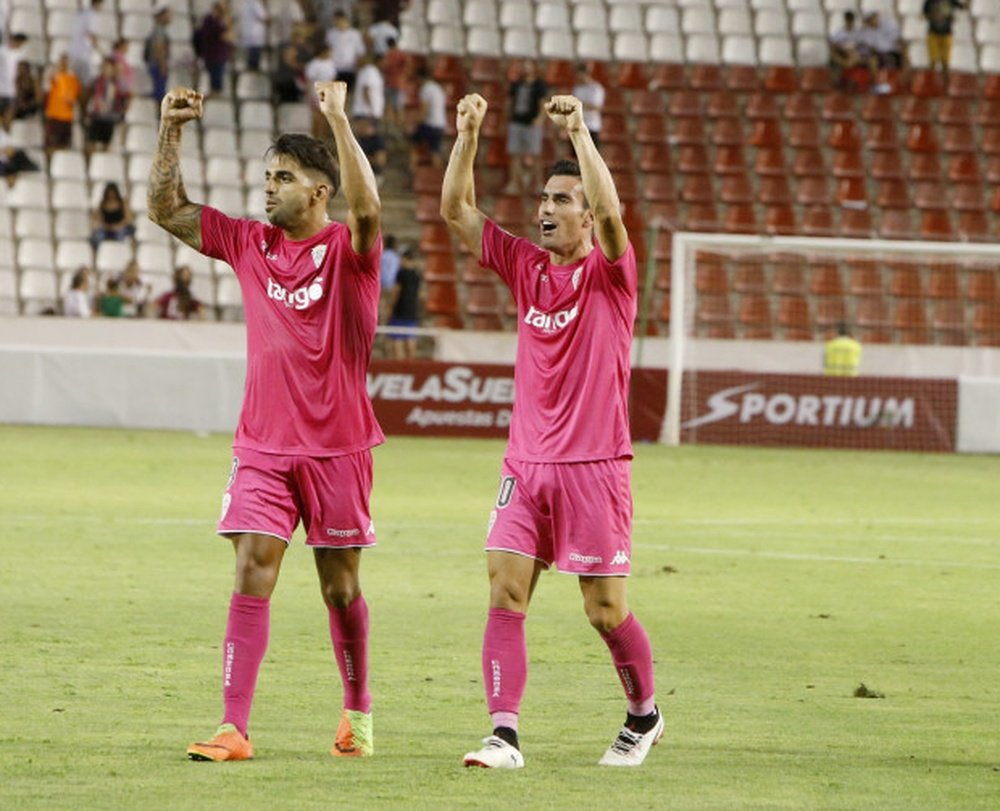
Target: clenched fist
{"points": [[180, 105]]}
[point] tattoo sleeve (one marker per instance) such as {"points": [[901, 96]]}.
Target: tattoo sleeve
{"points": [[167, 200]]}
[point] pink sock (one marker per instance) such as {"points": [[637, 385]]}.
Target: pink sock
{"points": [[633, 658], [349, 632], [505, 665], [242, 652]]}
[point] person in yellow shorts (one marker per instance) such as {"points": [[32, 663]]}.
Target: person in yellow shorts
{"points": [[940, 15]]}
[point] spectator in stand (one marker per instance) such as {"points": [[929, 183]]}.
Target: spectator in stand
{"points": [[379, 34], [525, 115], [111, 303], [156, 53], [13, 161], [288, 79], [388, 268], [368, 110], [348, 47], [940, 16], [842, 354], [10, 57], [253, 31], [105, 108], [29, 98], [285, 19], [591, 94], [76, 303], [214, 45], [84, 46], [180, 304], [426, 139], [124, 71], [405, 307], [113, 218], [849, 60], [882, 37], [394, 72], [134, 290], [321, 68], [60, 106]]}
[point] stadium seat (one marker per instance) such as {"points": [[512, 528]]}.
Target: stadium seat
{"points": [[761, 106], [800, 106], [736, 189], [794, 319], [944, 283], [813, 191], [766, 134], [755, 317], [809, 162], [658, 188], [892, 193], [713, 317], [983, 286], [818, 221], [922, 137], [701, 217], [780, 219], [684, 132], [967, 197], [741, 78], [948, 323], [697, 189], [774, 191], [936, 224], [910, 321], [856, 223], [741, 218], [848, 164], [804, 134], [986, 323], [748, 275], [839, 107], [896, 223], [729, 160], [881, 136], [727, 132], [905, 281], [924, 166], [873, 319], [973, 226], [814, 78], [770, 161], [693, 159], [963, 168], [830, 311]]}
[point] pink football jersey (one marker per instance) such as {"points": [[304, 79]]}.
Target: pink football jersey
{"points": [[311, 310], [574, 337]]}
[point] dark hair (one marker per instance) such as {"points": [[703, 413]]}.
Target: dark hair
{"points": [[79, 277], [309, 153], [564, 167], [850, 16], [111, 188]]}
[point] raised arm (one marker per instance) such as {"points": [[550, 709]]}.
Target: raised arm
{"points": [[458, 192], [167, 201], [598, 185], [364, 209]]}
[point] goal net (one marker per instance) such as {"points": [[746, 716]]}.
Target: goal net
{"points": [[749, 315]]}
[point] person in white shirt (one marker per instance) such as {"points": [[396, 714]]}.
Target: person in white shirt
{"points": [[76, 302], [10, 56], [348, 46], [368, 110], [379, 34], [591, 94], [84, 44], [882, 38], [253, 31], [426, 138], [321, 68]]}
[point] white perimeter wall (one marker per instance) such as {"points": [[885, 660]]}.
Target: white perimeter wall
{"points": [[189, 376]]}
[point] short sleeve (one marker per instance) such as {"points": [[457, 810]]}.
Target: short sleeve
{"points": [[223, 237], [623, 271], [504, 253]]}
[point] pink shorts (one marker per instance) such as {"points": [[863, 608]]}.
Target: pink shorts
{"points": [[269, 493], [578, 516]]}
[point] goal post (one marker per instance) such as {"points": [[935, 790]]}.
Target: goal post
{"points": [[729, 291]]}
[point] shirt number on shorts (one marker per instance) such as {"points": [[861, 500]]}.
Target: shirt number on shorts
{"points": [[506, 491]]}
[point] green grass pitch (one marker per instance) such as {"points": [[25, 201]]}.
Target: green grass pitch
{"points": [[772, 583]]}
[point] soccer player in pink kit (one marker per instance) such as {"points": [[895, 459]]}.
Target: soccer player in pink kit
{"points": [[565, 490], [302, 449]]}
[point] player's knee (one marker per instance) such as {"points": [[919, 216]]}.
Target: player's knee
{"points": [[604, 615], [507, 593], [341, 594]]}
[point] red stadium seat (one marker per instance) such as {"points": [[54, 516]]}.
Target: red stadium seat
{"points": [[722, 104], [864, 279], [435, 238], [816, 79], [428, 208], [963, 167], [617, 155], [729, 160], [647, 102], [963, 85], [892, 194], [698, 189], [428, 179], [474, 273], [494, 124], [926, 83], [705, 76], [844, 135], [967, 197], [774, 191], [693, 159], [905, 281], [713, 317], [910, 321], [839, 107], [924, 166], [711, 275], [916, 110], [936, 224], [887, 166], [856, 223], [849, 163], [755, 317], [439, 267], [653, 158], [986, 323], [441, 298], [922, 138], [560, 73], [742, 78], [685, 104], [852, 192], [813, 191], [896, 223], [659, 187], [702, 217], [983, 286], [988, 113], [749, 276], [943, 283], [830, 312], [668, 76], [652, 129], [766, 133], [955, 111], [882, 136], [684, 131], [800, 106], [736, 189], [741, 218], [780, 220], [793, 318], [804, 134], [818, 221], [486, 69], [780, 79], [873, 319], [809, 162], [959, 138], [824, 279], [974, 226], [632, 75], [991, 140], [930, 194], [878, 108], [770, 162], [789, 277], [948, 323], [763, 106], [727, 132]]}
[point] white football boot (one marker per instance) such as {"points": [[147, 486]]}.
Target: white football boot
{"points": [[630, 748], [495, 754]]}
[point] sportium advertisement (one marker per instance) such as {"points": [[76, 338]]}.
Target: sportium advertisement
{"points": [[452, 399], [738, 408]]}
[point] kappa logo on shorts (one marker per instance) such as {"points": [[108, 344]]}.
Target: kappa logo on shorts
{"points": [[620, 559]]}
